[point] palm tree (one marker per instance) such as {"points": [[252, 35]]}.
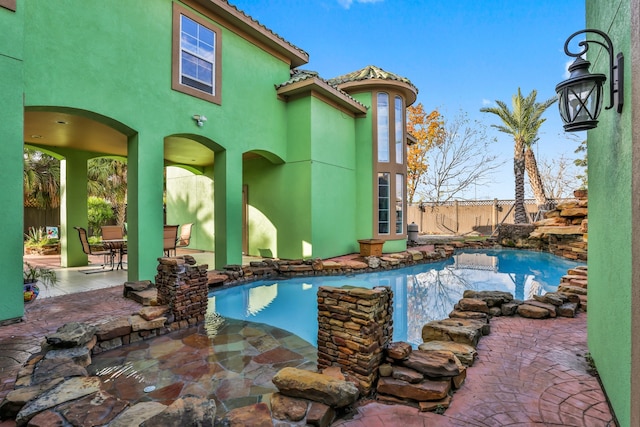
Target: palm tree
{"points": [[41, 179], [523, 124], [107, 179]]}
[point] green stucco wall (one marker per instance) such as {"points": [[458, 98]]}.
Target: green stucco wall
{"points": [[11, 119], [309, 189], [192, 205], [91, 58], [610, 220]]}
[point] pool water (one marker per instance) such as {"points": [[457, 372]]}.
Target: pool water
{"points": [[421, 293]]}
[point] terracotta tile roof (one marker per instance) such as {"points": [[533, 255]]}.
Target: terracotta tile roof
{"points": [[258, 24], [298, 75], [368, 73]]}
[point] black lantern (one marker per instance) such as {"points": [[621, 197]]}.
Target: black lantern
{"points": [[581, 96]]}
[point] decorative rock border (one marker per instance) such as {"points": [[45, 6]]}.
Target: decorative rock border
{"points": [[54, 386], [270, 268]]}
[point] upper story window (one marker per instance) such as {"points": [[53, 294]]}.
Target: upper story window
{"points": [[196, 66], [399, 130], [383, 127], [197, 57], [390, 166]]}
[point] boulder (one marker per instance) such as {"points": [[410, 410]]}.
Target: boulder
{"points": [[320, 415], [473, 315], [549, 307], [15, 400], [399, 350], [48, 418], [473, 304], [385, 370], [464, 352], [74, 334], [317, 387], [288, 408], [137, 414], [257, 415], [71, 389], [153, 312], [93, 410], [426, 390], [568, 309], [458, 330], [532, 312], [492, 298], [434, 405], [113, 329], [406, 374], [510, 308], [79, 355], [552, 298], [185, 411], [434, 363], [569, 289], [56, 368]]}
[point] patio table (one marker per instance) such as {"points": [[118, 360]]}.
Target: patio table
{"points": [[116, 246]]}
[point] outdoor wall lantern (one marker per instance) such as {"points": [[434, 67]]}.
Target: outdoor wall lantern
{"points": [[200, 119], [580, 97]]}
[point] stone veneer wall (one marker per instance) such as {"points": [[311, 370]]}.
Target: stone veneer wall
{"points": [[183, 287], [354, 326]]}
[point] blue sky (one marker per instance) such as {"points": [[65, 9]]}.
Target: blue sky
{"points": [[462, 54]]}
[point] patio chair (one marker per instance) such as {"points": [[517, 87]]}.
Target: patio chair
{"points": [[113, 236], [112, 232], [107, 256], [170, 236], [185, 235]]}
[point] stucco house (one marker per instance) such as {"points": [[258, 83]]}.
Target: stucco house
{"points": [[213, 111], [614, 221]]}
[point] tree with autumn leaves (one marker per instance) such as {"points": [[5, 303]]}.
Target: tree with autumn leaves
{"points": [[428, 130], [448, 158]]}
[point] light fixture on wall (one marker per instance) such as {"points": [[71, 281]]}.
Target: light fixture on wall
{"points": [[581, 95], [200, 119]]}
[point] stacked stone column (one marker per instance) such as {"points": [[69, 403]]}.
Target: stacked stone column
{"points": [[354, 326], [182, 286]]}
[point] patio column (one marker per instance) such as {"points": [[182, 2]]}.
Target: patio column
{"points": [[73, 207], [145, 167], [228, 209], [11, 158]]}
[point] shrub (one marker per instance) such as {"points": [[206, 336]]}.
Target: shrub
{"points": [[99, 212]]}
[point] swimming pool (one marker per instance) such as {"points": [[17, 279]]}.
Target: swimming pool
{"points": [[421, 293]]}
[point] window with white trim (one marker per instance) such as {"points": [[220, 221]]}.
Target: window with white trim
{"points": [[197, 55], [399, 128], [384, 211], [196, 66], [383, 127], [390, 166]]}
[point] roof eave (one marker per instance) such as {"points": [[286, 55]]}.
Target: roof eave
{"points": [[410, 92], [319, 86], [245, 23]]}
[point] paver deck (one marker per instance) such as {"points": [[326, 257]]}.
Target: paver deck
{"points": [[529, 372]]}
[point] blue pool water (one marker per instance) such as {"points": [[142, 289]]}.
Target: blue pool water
{"points": [[421, 293]]}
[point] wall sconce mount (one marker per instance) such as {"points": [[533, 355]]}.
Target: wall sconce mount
{"points": [[200, 119], [581, 95]]}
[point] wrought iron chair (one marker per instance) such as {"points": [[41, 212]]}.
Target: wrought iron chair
{"points": [[86, 248]]}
